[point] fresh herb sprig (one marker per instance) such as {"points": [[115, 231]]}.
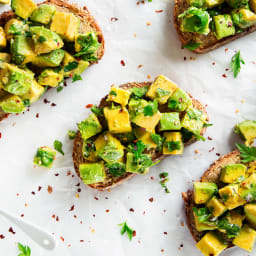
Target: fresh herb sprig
{"points": [[164, 178], [58, 146], [24, 250], [76, 77], [202, 214], [126, 229], [247, 153], [236, 63], [71, 134], [191, 46]]}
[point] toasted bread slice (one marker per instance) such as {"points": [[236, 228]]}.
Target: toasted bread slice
{"points": [[208, 42], [212, 174], [87, 24], [110, 181]]}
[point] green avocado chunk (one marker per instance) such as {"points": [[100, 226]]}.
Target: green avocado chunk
{"points": [[247, 129], [34, 93], [243, 18], [203, 191], [23, 8], [45, 157], [15, 80], [250, 213], [92, 172], [50, 78], [12, 104], [89, 127], [213, 3], [247, 189], [224, 26], [196, 3], [170, 121], [134, 167], [195, 20], [232, 173], [51, 59], [237, 3], [43, 14], [179, 101]]}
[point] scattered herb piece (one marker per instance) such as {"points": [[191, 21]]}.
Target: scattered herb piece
{"points": [[164, 178], [70, 66], [161, 92], [76, 77], [116, 169], [191, 46], [24, 250], [247, 153], [42, 39], [158, 140], [173, 145], [236, 63], [96, 110], [88, 147], [58, 147], [139, 92], [151, 108], [113, 93], [207, 125], [126, 229], [26, 102], [59, 88], [232, 230], [71, 134], [44, 157], [199, 137], [202, 214]]}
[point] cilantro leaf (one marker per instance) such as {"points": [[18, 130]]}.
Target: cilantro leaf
{"points": [[24, 249], [202, 214], [151, 108], [126, 229], [236, 63], [116, 169], [232, 230], [76, 77], [26, 102], [59, 88], [42, 39], [191, 46], [58, 147], [247, 153], [113, 93], [70, 66], [163, 176], [71, 134], [208, 125], [173, 145], [138, 149], [157, 139], [96, 110], [139, 92]]}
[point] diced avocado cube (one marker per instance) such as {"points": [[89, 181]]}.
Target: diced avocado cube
{"points": [[51, 59], [213, 3], [89, 151], [173, 143], [195, 20], [4, 1], [119, 95], [5, 57], [247, 129], [88, 41], [3, 40], [12, 104], [243, 18], [134, 167], [118, 120], [45, 157], [23, 8], [203, 191], [34, 93], [253, 5], [179, 101], [216, 207], [247, 189], [233, 172], [224, 26], [200, 226], [15, 80], [92, 172], [246, 238], [14, 27], [145, 137], [65, 24], [196, 3], [161, 89], [22, 49], [109, 148], [230, 196], [170, 121], [50, 78], [211, 244], [43, 14], [250, 213], [235, 218], [89, 127], [193, 120], [236, 3], [45, 40]]}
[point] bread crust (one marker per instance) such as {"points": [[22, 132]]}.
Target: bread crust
{"points": [[78, 144], [87, 24], [208, 42]]}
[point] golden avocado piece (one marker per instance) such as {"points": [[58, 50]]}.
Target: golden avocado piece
{"points": [[50, 77], [174, 144], [251, 169], [253, 5], [145, 137], [213, 3], [232, 172], [202, 226], [247, 129], [13, 23], [235, 218], [118, 120], [5, 57], [216, 206], [12, 104], [23, 8], [89, 152], [250, 212], [66, 25], [203, 191], [230, 196], [92, 172], [161, 89], [211, 244], [34, 93], [147, 122], [119, 95], [4, 1], [246, 238], [247, 188], [3, 40]]}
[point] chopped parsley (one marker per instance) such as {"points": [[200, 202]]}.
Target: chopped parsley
{"points": [[158, 140], [26, 102], [113, 93], [58, 147], [232, 230], [116, 169], [71, 134], [202, 214], [236, 63], [59, 88], [96, 110], [191, 46], [247, 153], [15, 29], [151, 108], [88, 147], [76, 77], [42, 39], [173, 145], [164, 178], [70, 66], [126, 229], [24, 250], [207, 125], [161, 92], [173, 104]]}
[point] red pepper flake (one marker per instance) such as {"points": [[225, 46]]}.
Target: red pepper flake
{"points": [[70, 75], [78, 184], [165, 233], [209, 138], [33, 193], [37, 115], [2, 236], [211, 149], [17, 194], [162, 250], [0, 135], [134, 233], [158, 11], [143, 213], [122, 63], [213, 63], [107, 210], [68, 173], [62, 238], [226, 69], [11, 231], [226, 49], [182, 224], [96, 198], [69, 245], [53, 105], [138, 3], [75, 216], [114, 19], [224, 75], [56, 174], [72, 208], [81, 222], [131, 210], [53, 216], [79, 190], [49, 189], [106, 198], [65, 83], [89, 105], [151, 199], [39, 188], [152, 178], [57, 218], [46, 101], [22, 215], [81, 241], [140, 66], [185, 58], [217, 154]]}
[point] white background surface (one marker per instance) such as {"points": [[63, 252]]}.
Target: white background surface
{"points": [[157, 48]]}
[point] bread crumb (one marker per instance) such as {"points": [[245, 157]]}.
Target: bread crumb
{"points": [[237, 111], [77, 195], [242, 101], [148, 23], [26, 204], [139, 66], [196, 151], [135, 35], [49, 189], [148, 76]]}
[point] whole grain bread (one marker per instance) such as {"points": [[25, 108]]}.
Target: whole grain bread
{"points": [[110, 181], [208, 42], [87, 24]]}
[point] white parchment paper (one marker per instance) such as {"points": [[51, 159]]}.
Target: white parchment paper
{"points": [[157, 48]]}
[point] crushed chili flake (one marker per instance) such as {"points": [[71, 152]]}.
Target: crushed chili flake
{"points": [[0, 135], [39, 188], [213, 63], [81, 241], [26, 204], [226, 49], [89, 106], [165, 233], [158, 11], [148, 76], [196, 151], [185, 58], [78, 184], [96, 198], [57, 218], [77, 195], [68, 173], [33, 193], [65, 83], [226, 69], [106, 197], [56, 174], [131, 210], [53, 216], [209, 138], [72, 208], [46, 101], [17, 194], [2, 236], [182, 224], [49, 189], [113, 19], [75, 216], [62, 238], [107, 210], [140, 66], [79, 190], [22, 215], [134, 233], [151, 199], [37, 115], [148, 23], [212, 149], [12, 231], [144, 213], [152, 178], [162, 250], [53, 105], [122, 62]]}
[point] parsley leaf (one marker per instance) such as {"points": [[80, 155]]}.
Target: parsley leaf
{"points": [[26, 102], [161, 92], [58, 147], [71, 134], [24, 249], [173, 145], [139, 92], [42, 39], [138, 149], [191, 46], [236, 63], [232, 230], [113, 93], [96, 110], [116, 169], [59, 88], [158, 140], [126, 229], [15, 29], [70, 66], [202, 214], [207, 125], [247, 153], [163, 176], [76, 77], [151, 108]]}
